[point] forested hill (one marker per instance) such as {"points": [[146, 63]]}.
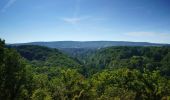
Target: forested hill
{"points": [[112, 73], [90, 44], [152, 58], [44, 56]]}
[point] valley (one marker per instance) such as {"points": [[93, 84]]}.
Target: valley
{"points": [[116, 72]]}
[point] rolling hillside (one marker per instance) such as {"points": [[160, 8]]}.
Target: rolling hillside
{"points": [[89, 44], [40, 56]]}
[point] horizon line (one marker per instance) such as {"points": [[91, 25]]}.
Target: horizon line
{"points": [[87, 41]]}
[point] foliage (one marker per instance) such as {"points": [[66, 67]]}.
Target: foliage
{"points": [[43, 56], [12, 73], [115, 73], [152, 58]]}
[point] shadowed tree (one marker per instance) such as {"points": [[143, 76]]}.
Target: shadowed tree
{"points": [[12, 73]]}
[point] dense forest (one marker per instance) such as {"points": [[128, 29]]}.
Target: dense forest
{"points": [[89, 44], [30, 72]]}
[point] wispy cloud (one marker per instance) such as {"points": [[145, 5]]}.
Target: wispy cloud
{"points": [[75, 20], [149, 36], [141, 34], [8, 5], [77, 8]]}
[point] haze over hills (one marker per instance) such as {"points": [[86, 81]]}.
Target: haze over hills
{"points": [[89, 44], [84, 50], [39, 55]]}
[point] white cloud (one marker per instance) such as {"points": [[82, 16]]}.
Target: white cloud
{"points": [[149, 36], [139, 34], [75, 20], [7, 5]]}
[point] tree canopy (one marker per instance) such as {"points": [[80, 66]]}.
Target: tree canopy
{"points": [[116, 73]]}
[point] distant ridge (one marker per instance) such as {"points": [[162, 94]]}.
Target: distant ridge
{"points": [[89, 44]]}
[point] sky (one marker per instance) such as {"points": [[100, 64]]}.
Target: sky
{"points": [[85, 20]]}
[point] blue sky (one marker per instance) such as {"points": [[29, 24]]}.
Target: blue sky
{"points": [[85, 20]]}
